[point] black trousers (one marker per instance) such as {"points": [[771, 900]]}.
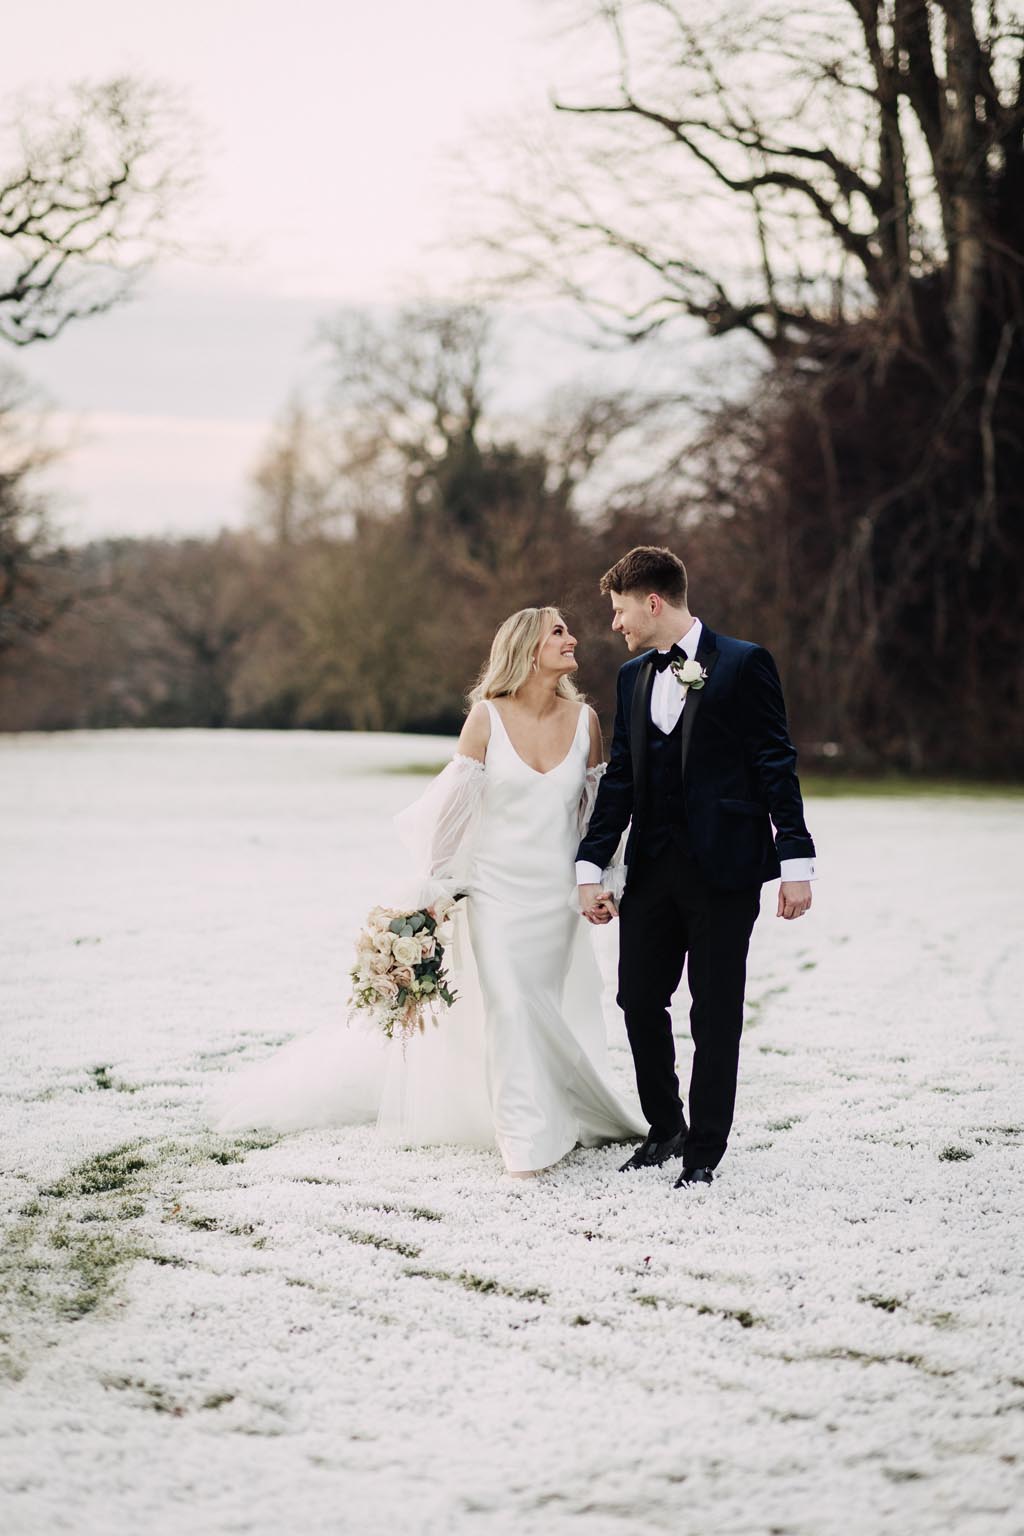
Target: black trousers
{"points": [[669, 913]]}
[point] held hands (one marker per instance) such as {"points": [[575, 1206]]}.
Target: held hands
{"points": [[794, 898], [597, 906]]}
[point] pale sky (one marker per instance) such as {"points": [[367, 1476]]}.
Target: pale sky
{"points": [[330, 128]]}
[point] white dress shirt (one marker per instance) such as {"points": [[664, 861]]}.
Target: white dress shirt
{"points": [[668, 700]]}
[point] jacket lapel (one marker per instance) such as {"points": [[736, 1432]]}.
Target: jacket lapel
{"points": [[707, 655], [638, 724]]}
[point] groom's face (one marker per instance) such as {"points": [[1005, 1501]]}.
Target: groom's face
{"points": [[634, 618]]}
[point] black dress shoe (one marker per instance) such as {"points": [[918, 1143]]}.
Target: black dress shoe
{"points": [[651, 1153], [694, 1176]]}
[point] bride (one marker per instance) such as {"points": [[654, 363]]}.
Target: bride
{"points": [[521, 1059]]}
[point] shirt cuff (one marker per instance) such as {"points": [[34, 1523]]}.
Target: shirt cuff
{"points": [[588, 874], [797, 869]]}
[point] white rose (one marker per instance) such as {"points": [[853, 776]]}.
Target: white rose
{"points": [[690, 672], [406, 950]]}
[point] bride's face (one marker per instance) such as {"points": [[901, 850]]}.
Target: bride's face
{"points": [[557, 651]]}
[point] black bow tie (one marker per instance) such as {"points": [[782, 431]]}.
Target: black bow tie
{"points": [[663, 659]]}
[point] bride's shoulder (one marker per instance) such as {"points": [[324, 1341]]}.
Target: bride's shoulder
{"points": [[476, 732]]}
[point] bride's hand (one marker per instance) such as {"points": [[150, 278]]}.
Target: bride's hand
{"points": [[597, 906]]}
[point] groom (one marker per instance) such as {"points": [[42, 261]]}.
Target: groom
{"points": [[702, 764]]}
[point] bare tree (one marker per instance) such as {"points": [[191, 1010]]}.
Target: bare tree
{"points": [[842, 185], [198, 605], [34, 591], [85, 198], [83, 207], [825, 144], [294, 491]]}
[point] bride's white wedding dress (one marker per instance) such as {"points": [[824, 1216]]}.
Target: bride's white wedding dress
{"points": [[521, 1059]]}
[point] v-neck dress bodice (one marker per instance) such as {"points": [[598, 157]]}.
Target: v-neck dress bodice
{"points": [[526, 839]]}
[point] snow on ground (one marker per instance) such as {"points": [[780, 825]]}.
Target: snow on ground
{"points": [[318, 1333]]}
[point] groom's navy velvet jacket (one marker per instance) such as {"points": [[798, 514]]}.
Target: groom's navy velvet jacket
{"points": [[737, 762]]}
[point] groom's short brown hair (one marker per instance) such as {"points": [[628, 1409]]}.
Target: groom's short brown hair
{"points": [[648, 568]]}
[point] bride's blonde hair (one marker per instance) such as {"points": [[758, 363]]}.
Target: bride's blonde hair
{"points": [[513, 656]]}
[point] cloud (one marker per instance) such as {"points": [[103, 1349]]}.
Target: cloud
{"points": [[153, 474]]}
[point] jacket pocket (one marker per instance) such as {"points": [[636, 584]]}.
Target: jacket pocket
{"points": [[744, 807]]}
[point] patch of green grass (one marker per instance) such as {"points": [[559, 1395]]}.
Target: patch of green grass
{"points": [[822, 786], [866, 1357], [735, 1314], [374, 1240], [100, 1174], [828, 786], [152, 1397], [883, 1303], [484, 1287], [754, 1005], [953, 1154], [785, 1124], [99, 1077], [412, 770], [258, 1142], [93, 1259], [418, 1212]]}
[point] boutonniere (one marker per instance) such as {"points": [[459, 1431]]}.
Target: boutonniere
{"points": [[689, 674]]}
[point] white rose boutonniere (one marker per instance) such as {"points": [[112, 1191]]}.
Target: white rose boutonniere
{"points": [[689, 674]]}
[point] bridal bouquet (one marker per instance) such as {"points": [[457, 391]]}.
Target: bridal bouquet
{"points": [[399, 976]]}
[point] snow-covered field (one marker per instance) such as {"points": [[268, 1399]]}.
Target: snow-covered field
{"points": [[321, 1334]]}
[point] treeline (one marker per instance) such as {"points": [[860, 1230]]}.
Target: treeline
{"points": [[394, 527]]}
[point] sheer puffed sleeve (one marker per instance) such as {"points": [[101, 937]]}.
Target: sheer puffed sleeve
{"points": [[588, 796], [439, 827], [613, 878]]}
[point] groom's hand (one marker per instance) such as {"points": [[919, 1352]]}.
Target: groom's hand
{"points": [[596, 905], [794, 898]]}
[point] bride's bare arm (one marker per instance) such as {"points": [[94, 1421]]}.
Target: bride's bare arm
{"points": [[476, 733]]}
